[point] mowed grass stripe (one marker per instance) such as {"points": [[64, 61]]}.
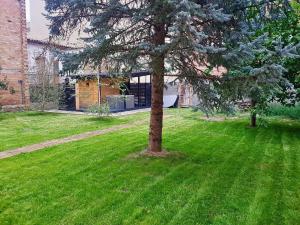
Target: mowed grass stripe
{"points": [[82, 154], [114, 209], [69, 174], [26, 128], [120, 202], [180, 192], [144, 202], [70, 159], [291, 192], [204, 186], [114, 200], [231, 205], [288, 174], [272, 207], [197, 209], [97, 181], [260, 202]]}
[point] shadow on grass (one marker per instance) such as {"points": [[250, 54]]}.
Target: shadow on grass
{"points": [[289, 126], [13, 115], [172, 156], [101, 119], [5, 116], [33, 114]]}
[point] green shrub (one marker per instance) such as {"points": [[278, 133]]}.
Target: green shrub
{"points": [[285, 111], [102, 110]]}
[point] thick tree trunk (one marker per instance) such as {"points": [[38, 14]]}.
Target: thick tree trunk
{"points": [[156, 119], [253, 120], [253, 114]]}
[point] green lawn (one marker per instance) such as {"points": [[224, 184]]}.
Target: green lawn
{"points": [[223, 173], [20, 129]]}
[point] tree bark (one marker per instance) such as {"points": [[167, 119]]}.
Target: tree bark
{"points": [[158, 67], [253, 120], [253, 114]]}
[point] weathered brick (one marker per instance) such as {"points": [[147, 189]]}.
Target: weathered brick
{"points": [[13, 52]]}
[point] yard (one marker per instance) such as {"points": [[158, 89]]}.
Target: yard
{"points": [[20, 129], [220, 173]]}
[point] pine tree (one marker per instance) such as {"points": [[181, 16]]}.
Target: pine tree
{"points": [[255, 63], [164, 36]]}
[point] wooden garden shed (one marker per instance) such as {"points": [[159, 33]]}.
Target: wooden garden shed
{"points": [[91, 92], [97, 88]]}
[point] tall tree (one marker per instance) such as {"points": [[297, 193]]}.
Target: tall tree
{"points": [[44, 88], [287, 29], [178, 36], [256, 63]]}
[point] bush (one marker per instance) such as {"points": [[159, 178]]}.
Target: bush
{"points": [[285, 111], [102, 110], [44, 97]]}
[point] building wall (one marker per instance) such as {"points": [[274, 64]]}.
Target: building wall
{"points": [[87, 92], [37, 22], [13, 52], [39, 50], [39, 25], [187, 97]]}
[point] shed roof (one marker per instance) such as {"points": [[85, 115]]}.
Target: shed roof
{"points": [[47, 43], [107, 75]]}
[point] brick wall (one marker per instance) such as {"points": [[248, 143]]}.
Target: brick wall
{"points": [[13, 52]]}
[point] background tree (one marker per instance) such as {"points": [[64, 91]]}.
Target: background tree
{"points": [[44, 87], [260, 78], [287, 30], [257, 65], [177, 36]]}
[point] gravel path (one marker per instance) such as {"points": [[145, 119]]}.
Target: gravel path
{"points": [[39, 146]]}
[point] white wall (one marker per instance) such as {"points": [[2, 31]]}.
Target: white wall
{"points": [[35, 50], [39, 25]]}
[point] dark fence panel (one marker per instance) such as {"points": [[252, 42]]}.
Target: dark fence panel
{"points": [[68, 97], [142, 94]]}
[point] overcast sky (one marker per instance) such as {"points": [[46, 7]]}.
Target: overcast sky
{"points": [[28, 10]]}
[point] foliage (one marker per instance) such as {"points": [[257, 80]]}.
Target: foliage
{"points": [[259, 77], [67, 97], [46, 96], [3, 85], [141, 35], [44, 89], [292, 112], [101, 110], [287, 29], [122, 34], [256, 66], [186, 38]]}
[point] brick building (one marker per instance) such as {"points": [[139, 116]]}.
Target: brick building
{"points": [[13, 53]]}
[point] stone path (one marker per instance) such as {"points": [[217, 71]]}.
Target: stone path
{"points": [[39, 146]]}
